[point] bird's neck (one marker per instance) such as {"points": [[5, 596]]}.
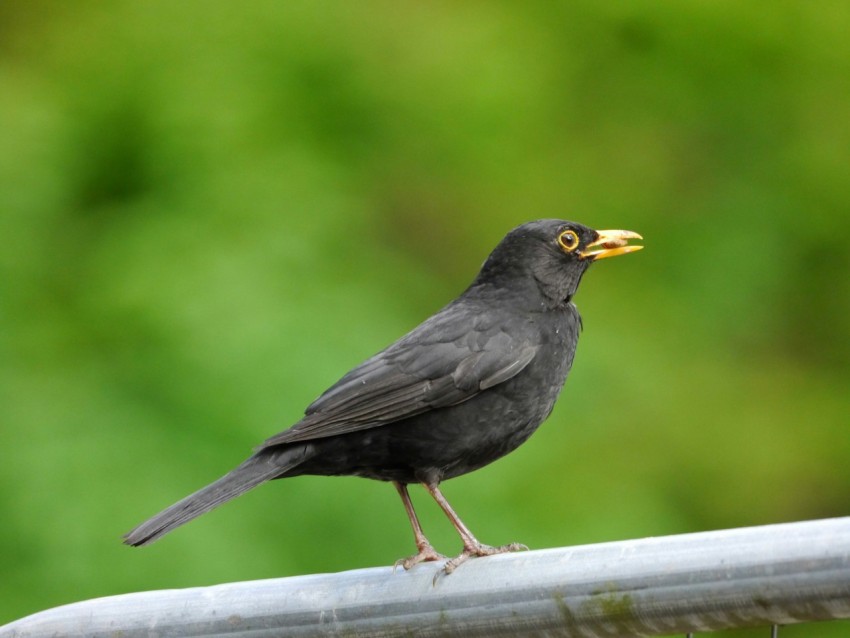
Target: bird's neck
{"points": [[532, 296], [555, 294]]}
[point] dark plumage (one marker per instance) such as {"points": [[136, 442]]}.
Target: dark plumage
{"points": [[459, 391]]}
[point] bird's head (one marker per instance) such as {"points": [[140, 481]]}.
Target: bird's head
{"points": [[549, 257]]}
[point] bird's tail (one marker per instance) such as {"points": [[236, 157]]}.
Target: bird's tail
{"points": [[259, 468]]}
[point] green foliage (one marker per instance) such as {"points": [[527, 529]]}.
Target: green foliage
{"points": [[210, 211]]}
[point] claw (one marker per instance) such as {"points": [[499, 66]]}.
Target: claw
{"points": [[426, 553], [481, 550]]}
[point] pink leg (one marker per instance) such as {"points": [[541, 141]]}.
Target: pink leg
{"points": [[425, 551], [471, 545]]}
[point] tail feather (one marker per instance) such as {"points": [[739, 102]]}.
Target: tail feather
{"points": [[255, 470]]}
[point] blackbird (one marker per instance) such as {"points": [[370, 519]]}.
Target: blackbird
{"points": [[459, 391]]}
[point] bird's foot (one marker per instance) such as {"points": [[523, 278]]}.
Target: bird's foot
{"points": [[426, 553], [480, 549]]}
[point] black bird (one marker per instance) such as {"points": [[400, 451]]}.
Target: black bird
{"points": [[461, 390]]}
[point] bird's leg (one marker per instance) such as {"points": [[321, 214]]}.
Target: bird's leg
{"points": [[425, 551], [471, 545]]}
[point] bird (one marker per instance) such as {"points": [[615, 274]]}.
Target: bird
{"points": [[464, 388]]}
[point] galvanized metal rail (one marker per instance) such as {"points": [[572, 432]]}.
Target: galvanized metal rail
{"points": [[776, 574]]}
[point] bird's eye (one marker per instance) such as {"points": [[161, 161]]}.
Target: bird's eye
{"points": [[568, 240]]}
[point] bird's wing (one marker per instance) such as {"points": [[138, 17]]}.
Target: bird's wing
{"points": [[446, 360]]}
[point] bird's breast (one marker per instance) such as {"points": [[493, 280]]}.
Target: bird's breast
{"points": [[495, 422]]}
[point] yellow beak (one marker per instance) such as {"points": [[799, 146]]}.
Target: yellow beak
{"points": [[611, 243]]}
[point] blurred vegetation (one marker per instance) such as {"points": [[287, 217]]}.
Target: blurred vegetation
{"points": [[211, 211]]}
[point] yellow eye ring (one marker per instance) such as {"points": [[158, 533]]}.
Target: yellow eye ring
{"points": [[568, 240]]}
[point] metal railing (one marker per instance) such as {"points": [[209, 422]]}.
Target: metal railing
{"points": [[758, 576]]}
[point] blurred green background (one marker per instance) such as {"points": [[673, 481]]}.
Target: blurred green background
{"points": [[211, 210]]}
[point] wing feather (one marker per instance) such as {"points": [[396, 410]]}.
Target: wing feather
{"points": [[447, 360]]}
